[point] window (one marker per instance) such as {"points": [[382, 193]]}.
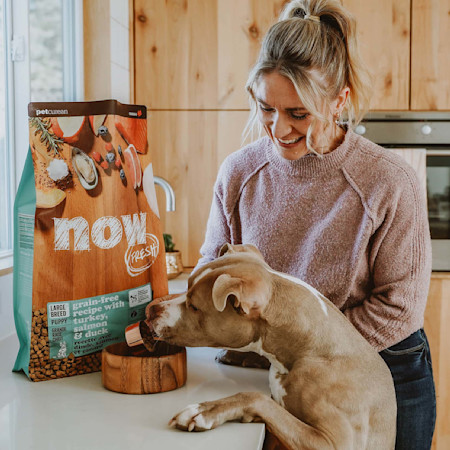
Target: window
{"points": [[46, 54], [41, 59], [5, 178]]}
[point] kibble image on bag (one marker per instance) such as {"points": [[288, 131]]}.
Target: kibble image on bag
{"points": [[88, 246]]}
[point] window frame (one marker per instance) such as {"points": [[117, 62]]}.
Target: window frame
{"points": [[16, 22], [6, 254]]}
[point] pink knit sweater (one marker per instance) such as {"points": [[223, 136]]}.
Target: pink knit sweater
{"points": [[353, 224]]}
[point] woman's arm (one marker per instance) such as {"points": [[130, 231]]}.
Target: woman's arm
{"points": [[400, 264], [217, 232]]}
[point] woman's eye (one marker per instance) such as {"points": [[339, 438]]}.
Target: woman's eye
{"points": [[263, 108], [301, 117]]}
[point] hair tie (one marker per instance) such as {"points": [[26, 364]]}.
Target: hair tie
{"points": [[301, 14], [311, 17]]}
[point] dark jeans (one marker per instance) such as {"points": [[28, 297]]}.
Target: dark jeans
{"points": [[410, 364]]}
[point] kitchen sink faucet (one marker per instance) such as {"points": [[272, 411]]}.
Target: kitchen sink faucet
{"points": [[168, 190]]}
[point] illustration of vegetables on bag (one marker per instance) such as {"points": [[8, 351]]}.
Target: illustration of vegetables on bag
{"points": [[89, 252]]}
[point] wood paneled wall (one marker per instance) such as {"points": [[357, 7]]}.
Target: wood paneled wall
{"points": [[97, 49], [108, 50], [384, 41], [187, 148], [192, 59], [437, 317], [430, 55], [196, 54]]}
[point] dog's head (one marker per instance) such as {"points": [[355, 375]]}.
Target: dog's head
{"points": [[223, 306]]}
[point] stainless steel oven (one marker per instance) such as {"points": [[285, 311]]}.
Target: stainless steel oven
{"points": [[429, 131]]}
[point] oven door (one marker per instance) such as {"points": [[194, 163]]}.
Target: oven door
{"points": [[438, 194]]}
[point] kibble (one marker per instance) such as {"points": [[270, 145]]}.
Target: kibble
{"points": [[42, 367], [102, 130]]}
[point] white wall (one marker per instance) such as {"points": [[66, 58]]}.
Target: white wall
{"points": [[7, 326], [18, 25], [119, 48]]}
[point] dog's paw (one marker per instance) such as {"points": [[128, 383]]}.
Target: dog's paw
{"points": [[242, 359], [209, 415], [197, 417]]}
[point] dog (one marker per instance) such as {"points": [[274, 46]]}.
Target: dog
{"points": [[330, 388]]}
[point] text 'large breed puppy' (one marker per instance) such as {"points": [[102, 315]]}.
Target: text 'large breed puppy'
{"points": [[330, 388]]}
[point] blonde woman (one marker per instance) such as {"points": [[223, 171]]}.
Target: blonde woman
{"points": [[328, 206]]}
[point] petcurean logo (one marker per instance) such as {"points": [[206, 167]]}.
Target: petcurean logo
{"points": [[51, 111]]}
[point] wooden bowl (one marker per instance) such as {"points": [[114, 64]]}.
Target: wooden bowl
{"points": [[135, 370]]}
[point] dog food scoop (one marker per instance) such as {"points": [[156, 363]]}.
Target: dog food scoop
{"points": [[141, 333]]}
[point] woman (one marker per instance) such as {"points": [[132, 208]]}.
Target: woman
{"points": [[330, 207]]}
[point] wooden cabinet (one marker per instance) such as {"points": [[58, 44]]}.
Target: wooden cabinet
{"points": [[384, 41], [191, 62], [187, 148], [430, 55], [196, 54], [406, 44], [437, 318]]}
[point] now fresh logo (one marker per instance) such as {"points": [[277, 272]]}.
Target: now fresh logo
{"points": [[106, 233]]}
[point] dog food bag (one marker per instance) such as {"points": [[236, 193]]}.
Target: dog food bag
{"points": [[88, 245]]}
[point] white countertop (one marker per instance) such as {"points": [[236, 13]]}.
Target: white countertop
{"points": [[78, 413]]}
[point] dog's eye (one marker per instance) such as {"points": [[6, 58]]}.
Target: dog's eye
{"points": [[191, 306]]}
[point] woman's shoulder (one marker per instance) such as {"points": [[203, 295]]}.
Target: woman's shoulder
{"points": [[374, 165]]}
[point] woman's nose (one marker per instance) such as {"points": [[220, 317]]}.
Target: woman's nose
{"points": [[280, 126]]}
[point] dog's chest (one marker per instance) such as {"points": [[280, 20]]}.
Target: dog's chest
{"points": [[277, 389]]}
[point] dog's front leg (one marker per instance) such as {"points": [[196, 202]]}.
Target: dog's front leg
{"points": [[293, 433], [208, 415], [252, 407]]}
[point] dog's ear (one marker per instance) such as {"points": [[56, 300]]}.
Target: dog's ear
{"points": [[248, 300], [242, 248], [224, 287], [225, 249], [250, 248]]}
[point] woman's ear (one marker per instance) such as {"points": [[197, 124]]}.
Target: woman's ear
{"points": [[342, 99]]}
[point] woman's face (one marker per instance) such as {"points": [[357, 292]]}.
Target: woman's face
{"points": [[286, 120]]}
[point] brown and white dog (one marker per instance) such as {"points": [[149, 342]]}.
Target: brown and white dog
{"points": [[330, 388]]}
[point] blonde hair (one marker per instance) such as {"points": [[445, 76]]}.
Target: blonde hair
{"points": [[314, 45]]}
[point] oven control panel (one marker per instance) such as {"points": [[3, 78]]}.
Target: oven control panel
{"points": [[405, 132]]}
